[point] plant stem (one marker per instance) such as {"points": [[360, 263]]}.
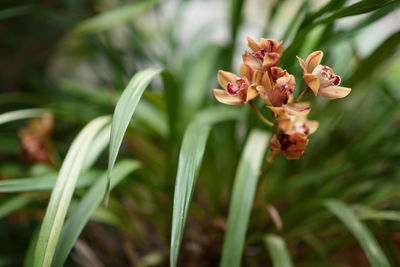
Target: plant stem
{"points": [[303, 94], [259, 115]]}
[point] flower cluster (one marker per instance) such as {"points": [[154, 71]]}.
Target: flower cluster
{"points": [[259, 75]]}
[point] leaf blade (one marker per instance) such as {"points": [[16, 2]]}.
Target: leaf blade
{"points": [[83, 211], [62, 193], [278, 250], [242, 198], [360, 232], [123, 113]]}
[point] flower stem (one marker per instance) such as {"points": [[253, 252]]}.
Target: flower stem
{"points": [[302, 95], [259, 115]]}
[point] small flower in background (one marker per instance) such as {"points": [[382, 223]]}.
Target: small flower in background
{"points": [[320, 78], [259, 75], [35, 145]]}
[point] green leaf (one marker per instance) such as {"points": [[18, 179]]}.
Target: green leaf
{"points": [[83, 211], [278, 251], [22, 114], [123, 113], [358, 8], [109, 19], [14, 204], [43, 183], [370, 214], [62, 193], [190, 157], [244, 189], [367, 241]]}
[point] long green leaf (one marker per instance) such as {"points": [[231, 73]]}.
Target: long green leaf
{"points": [[62, 193], [83, 211], [278, 251], [123, 113], [43, 183], [244, 189], [22, 114], [109, 19], [367, 241], [190, 157]]}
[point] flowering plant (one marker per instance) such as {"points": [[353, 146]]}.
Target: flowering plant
{"points": [[260, 75]]}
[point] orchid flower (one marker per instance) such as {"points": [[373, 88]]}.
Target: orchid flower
{"points": [[238, 90], [266, 54], [320, 78]]}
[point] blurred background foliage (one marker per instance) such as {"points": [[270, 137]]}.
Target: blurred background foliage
{"points": [[74, 58]]}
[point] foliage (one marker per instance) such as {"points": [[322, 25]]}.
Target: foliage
{"points": [[85, 61]]}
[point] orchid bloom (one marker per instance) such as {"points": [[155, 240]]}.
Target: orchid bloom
{"points": [[276, 91], [238, 90], [320, 78], [292, 139], [265, 55]]}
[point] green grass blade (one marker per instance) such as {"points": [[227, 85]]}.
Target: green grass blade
{"points": [[367, 241], [358, 8], [98, 145], [83, 211], [22, 114], [370, 214], [278, 251], [62, 193], [14, 204], [244, 189], [123, 113], [43, 183], [190, 157], [109, 19]]}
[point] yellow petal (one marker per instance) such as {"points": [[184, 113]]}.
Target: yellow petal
{"points": [[251, 93], [302, 64], [278, 110], [253, 45], [263, 93], [313, 60], [251, 61], [246, 71], [266, 82], [312, 126], [225, 98], [297, 108], [225, 77], [312, 81], [333, 92]]}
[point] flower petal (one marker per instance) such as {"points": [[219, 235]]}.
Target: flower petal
{"points": [[333, 92], [293, 147], [312, 126], [297, 108], [225, 77], [251, 61], [270, 60], [277, 110], [302, 64], [313, 60], [251, 93], [246, 71], [312, 81], [253, 45], [225, 98]]}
